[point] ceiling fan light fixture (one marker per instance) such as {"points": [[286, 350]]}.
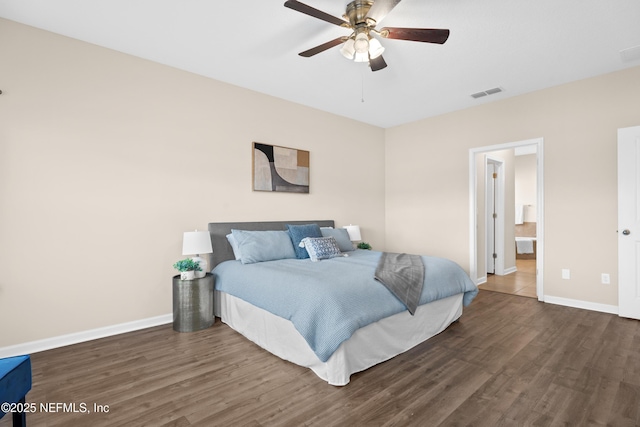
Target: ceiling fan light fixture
{"points": [[375, 48], [361, 57], [361, 43], [348, 50], [361, 17]]}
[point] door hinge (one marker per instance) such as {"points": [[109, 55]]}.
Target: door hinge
{"points": [[495, 215], [495, 256], [495, 175]]}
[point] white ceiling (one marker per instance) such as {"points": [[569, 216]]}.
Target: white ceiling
{"points": [[518, 45]]}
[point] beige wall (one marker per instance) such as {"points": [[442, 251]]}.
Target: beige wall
{"points": [[106, 159], [427, 177]]}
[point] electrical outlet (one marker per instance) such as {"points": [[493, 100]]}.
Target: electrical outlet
{"points": [[566, 273], [606, 279]]}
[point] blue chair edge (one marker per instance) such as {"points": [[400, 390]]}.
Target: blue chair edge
{"points": [[16, 368]]}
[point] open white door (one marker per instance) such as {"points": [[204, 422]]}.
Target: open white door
{"points": [[629, 222], [494, 203], [490, 215]]}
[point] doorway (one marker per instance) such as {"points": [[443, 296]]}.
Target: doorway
{"points": [[478, 158]]}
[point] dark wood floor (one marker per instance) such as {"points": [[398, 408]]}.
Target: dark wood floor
{"points": [[508, 361]]}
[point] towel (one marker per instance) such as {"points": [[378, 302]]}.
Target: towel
{"points": [[519, 214], [524, 245]]}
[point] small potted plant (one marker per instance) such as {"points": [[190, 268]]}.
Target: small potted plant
{"points": [[187, 268], [364, 245]]}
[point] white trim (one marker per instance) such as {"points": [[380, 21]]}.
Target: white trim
{"points": [[540, 219], [473, 214], [510, 270], [481, 280], [473, 217], [78, 337], [585, 305]]}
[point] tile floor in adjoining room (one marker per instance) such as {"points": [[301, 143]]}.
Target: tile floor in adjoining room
{"points": [[522, 282]]}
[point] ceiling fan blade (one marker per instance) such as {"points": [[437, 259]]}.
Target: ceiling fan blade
{"points": [[427, 35], [308, 10], [377, 63], [381, 8], [323, 47]]}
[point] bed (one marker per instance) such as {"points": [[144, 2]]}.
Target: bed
{"points": [[337, 336]]}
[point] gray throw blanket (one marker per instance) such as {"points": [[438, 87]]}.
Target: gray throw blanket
{"points": [[403, 275]]}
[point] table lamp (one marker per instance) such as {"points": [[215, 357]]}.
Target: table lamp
{"points": [[354, 232], [197, 243]]}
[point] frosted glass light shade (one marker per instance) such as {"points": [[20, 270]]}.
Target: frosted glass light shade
{"points": [[354, 232], [375, 48], [347, 50], [361, 44], [361, 57], [362, 48]]}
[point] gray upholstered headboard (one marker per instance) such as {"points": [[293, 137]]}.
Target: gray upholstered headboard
{"points": [[222, 250]]}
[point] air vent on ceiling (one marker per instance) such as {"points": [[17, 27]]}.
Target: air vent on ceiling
{"points": [[486, 92], [630, 54]]}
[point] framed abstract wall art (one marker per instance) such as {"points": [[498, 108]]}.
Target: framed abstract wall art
{"points": [[280, 169]]}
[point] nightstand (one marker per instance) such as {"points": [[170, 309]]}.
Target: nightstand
{"points": [[192, 303]]}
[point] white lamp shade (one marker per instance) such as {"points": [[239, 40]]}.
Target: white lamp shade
{"points": [[196, 243], [354, 232]]}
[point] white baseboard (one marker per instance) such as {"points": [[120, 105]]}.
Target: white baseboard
{"points": [[78, 337], [510, 270], [483, 279], [586, 305]]}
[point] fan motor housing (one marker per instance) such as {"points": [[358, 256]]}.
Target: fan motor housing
{"points": [[357, 13]]}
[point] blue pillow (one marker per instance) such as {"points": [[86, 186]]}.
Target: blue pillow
{"points": [[341, 235], [321, 248], [258, 246], [234, 246], [299, 232]]}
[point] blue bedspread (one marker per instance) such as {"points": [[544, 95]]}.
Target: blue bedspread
{"points": [[328, 301]]}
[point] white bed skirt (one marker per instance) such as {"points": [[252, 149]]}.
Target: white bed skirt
{"points": [[368, 346]]}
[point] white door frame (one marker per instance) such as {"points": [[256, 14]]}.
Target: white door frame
{"points": [[498, 197], [473, 214]]}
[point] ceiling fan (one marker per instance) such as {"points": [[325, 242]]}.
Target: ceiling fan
{"points": [[361, 17]]}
